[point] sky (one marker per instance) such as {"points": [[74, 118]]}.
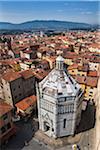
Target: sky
{"points": [[76, 11]]}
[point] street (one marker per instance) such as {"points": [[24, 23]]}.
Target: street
{"points": [[87, 127], [26, 130]]}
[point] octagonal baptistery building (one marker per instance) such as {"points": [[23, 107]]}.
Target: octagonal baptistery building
{"points": [[59, 102]]}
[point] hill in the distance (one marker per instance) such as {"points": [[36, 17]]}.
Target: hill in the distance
{"points": [[42, 24]]}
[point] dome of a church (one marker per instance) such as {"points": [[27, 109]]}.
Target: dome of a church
{"points": [[59, 83], [59, 58]]}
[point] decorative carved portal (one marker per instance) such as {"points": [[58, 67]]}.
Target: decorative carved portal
{"points": [[46, 126]]}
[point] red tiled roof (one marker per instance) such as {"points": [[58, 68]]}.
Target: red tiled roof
{"points": [[11, 76], [80, 79], [95, 45], [26, 103], [4, 108], [92, 73], [26, 74], [92, 81], [83, 68], [42, 49], [40, 73], [89, 81], [8, 62], [70, 55], [74, 66]]}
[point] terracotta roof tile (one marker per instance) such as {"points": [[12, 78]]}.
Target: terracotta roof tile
{"points": [[89, 81], [26, 74], [11, 76], [74, 66], [40, 73], [8, 62], [26, 103], [80, 79], [95, 45], [4, 108], [92, 81], [92, 73], [83, 68]]}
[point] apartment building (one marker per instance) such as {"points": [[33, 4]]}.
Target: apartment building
{"points": [[7, 128], [17, 85]]}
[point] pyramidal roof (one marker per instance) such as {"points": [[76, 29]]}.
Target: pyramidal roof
{"points": [[59, 58], [59, 83]]}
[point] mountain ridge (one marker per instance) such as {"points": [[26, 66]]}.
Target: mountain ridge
{"points": [[44, 24]]}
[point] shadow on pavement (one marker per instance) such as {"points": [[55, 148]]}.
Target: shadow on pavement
{"points": [[24, 133], [87, 120]]}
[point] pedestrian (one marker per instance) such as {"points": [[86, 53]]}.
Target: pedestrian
{"points": [[78, 147], [26, 143], [74, 147]]}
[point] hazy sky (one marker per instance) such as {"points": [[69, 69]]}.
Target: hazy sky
{"points": [[76, 11]]}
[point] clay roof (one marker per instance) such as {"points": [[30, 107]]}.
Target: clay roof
{"points": [[89, 81], [95, 45], [8, 62], [26, 103], [70, 55], [92, 81], [74, 66], [40, 73], [43, 49], [26, 74], [92, 73], [80, 79], [4, 108], [83, 68], [11, 76]]}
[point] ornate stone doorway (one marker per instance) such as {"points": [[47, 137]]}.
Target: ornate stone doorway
{"points": [[46, 126]]}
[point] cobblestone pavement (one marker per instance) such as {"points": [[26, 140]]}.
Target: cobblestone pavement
{"points": [[35, 145], [85, 143], [87, 140]]}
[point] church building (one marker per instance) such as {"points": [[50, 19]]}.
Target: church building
{"points": [[59, 102]]}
